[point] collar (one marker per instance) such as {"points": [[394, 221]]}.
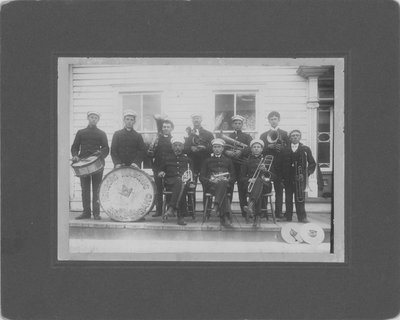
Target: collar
{"points": [[275, 129], [238, 131], [126, 129], [92, 127]]}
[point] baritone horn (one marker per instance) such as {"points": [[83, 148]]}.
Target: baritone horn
{"points": [[232, 143]]}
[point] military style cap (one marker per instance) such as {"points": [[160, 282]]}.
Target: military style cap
{"points": [[130, 112], [259, 141], [293, 131], [218, 141], [93, 112], [177, 139], [196, 114], [237, 117]]}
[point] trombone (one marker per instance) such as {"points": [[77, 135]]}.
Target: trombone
{"points": [[267, 162], [299, 183]]}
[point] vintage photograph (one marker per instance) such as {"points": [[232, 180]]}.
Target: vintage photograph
{"points": [[201, 159]]}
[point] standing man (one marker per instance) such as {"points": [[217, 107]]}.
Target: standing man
{"points": [[198, 146], [88, 142], [238, 156], [275, 140], [296, 166], [217, 175], [127, 146], [176, 170], [161, 150]]}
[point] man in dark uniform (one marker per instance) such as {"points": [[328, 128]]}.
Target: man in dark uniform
{"points": [[275, 139], [256, 174], [161, 150], [198, 145], [127, 146], [296, 166], [90, 141], [238, 156], [217, 175], [176, 169]]}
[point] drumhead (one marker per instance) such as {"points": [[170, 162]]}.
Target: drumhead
{"points": [[85, 162], [127, 194], [312, 233], [291, 233]]}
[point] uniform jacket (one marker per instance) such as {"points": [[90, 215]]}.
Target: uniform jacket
{"points": [[174, 166], [302, 157], [162, 151], [248, 169], [127, 147], [243, 138], [204, 138], [215, 165], [89, 140]]}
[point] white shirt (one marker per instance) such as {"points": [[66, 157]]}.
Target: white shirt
{"points": [[294, 147]]}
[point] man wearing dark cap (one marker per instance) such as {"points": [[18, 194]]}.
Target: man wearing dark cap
{"points": [[88, 142], [296, 166], [275, 139]]}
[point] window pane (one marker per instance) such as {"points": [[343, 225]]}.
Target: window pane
{"points": [[224, 111], [133, 102], [324, 123], [151, 106], [246, 107], [323, 152]]}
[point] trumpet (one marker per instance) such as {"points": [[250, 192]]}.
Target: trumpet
{"points": [[265, 176]]}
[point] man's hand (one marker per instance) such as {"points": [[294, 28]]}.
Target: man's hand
{"points": [[134, 165], [161, 174], [75, 159], [118, 166], [300, 177], [252, 180]]}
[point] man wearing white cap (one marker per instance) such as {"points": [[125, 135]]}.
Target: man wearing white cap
{"points": [[261, 181], [217, 175], [88, 142], [238, 156], [198, 144], [275, 139], [127, 145], [175, 171]]}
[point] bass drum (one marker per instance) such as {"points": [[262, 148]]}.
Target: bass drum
{"points": [[127, 194]]}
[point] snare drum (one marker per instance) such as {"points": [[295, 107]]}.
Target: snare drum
{"points": [[88, 166], [127, 194]]}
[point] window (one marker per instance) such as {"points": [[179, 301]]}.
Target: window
{"points": [[146, 106], [230, 104]]}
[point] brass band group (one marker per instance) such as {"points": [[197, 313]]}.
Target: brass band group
{"points": [[277, 160]]}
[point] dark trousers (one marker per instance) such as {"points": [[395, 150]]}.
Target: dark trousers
{"points": [[242, 189], [290, 192], [95, 181], [278, 187], [255, 197], [159, 196], [219, 190], [177, 199]]}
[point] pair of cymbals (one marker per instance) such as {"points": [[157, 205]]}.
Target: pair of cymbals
{"points": [[310, 233]]}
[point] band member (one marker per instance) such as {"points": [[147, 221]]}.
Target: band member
{"points": [[198, 145], [176, 170], [256, 175], [239, 155], [296, 166], [159, 152], [127, 146], [217, 175], [90, 141], [275, 139]]}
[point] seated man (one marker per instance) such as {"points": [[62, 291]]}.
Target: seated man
{"points": [[217, 175], [257, 175], [177, 173]]}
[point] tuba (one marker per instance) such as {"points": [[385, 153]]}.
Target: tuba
{"points": [[232, 143], [274, 139]]}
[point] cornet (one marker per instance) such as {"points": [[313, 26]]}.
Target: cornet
{"points": [[219, 176]]}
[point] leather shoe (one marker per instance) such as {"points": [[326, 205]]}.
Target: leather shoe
{"points": [[141, 219], [157, 214], [97, 217], [83, 216], [181, 222], [305, 220]]}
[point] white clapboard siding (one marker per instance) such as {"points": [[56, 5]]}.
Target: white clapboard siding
{"points": [[184, 91]]}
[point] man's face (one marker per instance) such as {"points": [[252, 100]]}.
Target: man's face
{"points": [[274, 121], [217, 149], [93, 119], [256, 149], [237, 125], [295, 137], [196, 121], [177, 147], [166, 129], [129, 121]]}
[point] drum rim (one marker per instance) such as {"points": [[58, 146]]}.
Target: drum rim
{"points": [[137, 169], [86, 164]]}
